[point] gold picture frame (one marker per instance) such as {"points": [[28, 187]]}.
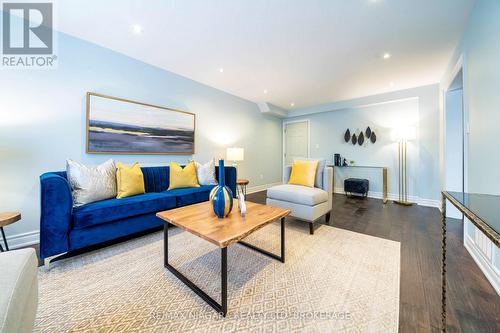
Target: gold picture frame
{"points": [[121, 126]]}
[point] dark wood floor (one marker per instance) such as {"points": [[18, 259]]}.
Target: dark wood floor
{"points": [[473, 305]]}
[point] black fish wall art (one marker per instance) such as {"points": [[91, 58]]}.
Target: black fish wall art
{"points": [[347, 135]]}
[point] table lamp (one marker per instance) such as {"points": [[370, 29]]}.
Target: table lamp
{"points": [[235, 154], [402, 136]]}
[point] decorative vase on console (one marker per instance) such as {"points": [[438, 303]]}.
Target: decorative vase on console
{"points": [[221, 196]]}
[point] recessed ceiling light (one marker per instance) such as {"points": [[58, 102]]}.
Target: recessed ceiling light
{"points": [[136, 29], [292, 104], [221, 70], [386, 55], [265, 91]]}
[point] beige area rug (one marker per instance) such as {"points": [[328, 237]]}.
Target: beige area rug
{"points": [[332, 281]]}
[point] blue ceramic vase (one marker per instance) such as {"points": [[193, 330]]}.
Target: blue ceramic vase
{"points": [[221, 196]]}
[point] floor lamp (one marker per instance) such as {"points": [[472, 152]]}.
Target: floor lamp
{"points": [[402, 136]]}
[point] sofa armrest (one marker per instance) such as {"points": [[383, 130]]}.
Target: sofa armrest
{"points": [[328, 180], [286, 174], [19, 291], [229, 178], [55, 214]]}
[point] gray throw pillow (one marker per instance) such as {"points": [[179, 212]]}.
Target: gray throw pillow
{"points": [[91, 183], [318, 181]]}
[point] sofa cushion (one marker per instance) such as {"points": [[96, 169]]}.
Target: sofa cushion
{"points": [[115, 209], [191, 195], [298, 194]]}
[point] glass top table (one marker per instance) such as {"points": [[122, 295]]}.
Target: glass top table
{"points": [[482, 209]]}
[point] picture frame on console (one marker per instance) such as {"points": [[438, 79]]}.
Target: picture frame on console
{"points": [[120, 126]]}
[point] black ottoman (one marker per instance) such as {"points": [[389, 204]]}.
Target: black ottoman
{"points": [[356, 185]]}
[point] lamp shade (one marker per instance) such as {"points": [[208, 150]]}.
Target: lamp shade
{"points": [[234, 154], [404, 133]]}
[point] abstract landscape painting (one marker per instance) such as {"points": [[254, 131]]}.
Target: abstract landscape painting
{"points": [[120, 126]]}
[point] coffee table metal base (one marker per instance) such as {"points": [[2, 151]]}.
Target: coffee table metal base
{"points": [[220, 308]]}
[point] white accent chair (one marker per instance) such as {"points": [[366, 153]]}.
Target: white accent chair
{"points": [[306, 203], [18, 291]]}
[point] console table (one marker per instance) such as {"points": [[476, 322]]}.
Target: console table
{"points": [[482, 211], [384, 176]]}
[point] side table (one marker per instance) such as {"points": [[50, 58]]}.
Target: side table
{"points": [[242, 183], [6, 219]]}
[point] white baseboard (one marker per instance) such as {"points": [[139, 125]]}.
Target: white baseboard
{"points": [[23, 240], [391, 196], [486, 267], [259, 188], [429, 203]]}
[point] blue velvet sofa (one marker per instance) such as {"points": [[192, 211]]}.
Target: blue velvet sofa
{"points": [[64, 228]]}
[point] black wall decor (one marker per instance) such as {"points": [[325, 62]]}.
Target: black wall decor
{"points": [[347, 135], [368, 132], [359, 138]]}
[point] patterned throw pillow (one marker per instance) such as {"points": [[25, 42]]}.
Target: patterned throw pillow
{"points": [[91, 183], [206, 173]]}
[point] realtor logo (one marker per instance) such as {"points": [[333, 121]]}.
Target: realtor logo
{"points": [[28, 35]]}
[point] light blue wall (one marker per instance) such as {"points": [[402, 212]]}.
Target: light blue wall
{"points": [[327, 137], [480, 51], [417, 106], [42, 121], [453, 155]]}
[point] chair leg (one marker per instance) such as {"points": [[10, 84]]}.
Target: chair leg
{"points": [[311, 228], [4, 241], [327, 217]]}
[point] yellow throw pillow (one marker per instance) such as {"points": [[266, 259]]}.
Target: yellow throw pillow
{"points": [[303, 173], [129, 180], [180, 177]]}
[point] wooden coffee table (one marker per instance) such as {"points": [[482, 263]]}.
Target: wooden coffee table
{"points": [[200, 220]]}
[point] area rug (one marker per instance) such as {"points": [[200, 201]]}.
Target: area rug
{"points": [[332, 281]]}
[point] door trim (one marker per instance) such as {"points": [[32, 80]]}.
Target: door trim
{"points": [[283, 159], [460, 65]]}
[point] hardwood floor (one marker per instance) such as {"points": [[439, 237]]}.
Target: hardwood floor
{"points": [[473, 305]]}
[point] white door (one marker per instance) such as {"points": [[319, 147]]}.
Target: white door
{"points": [[296, 141]]}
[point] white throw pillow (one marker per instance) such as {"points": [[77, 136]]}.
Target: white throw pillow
{"points": [[206, 173], [91, 183]]}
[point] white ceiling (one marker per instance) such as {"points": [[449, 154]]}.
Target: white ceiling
{"points": [[303, 51]]}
